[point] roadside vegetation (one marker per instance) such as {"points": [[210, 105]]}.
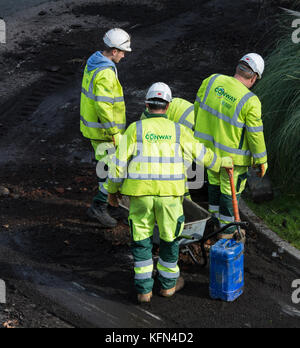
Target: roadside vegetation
{"points": [[279, 91], [281, 215]]}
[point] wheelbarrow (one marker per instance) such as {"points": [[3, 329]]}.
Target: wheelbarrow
{"points": [[195, 228]]}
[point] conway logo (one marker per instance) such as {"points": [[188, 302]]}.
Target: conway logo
{"points": [[220, 91], [153, 138]]}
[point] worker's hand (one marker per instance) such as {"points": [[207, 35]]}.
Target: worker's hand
{"points": [[119, 196], [116, 139], [226, 162], [113, 199], [262, 170]]}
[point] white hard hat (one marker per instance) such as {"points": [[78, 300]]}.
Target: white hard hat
{"points": [[117, 38], [159, 90], [256, 63]]}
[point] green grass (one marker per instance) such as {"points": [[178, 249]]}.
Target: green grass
{"points": [[282, 215]]}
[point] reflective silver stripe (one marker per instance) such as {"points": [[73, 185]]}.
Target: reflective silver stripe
{"points": [[214, 208], [121, 125], [108, 99], [143, 275], [213, 162], [198, 99], [187, 124], [139, 132], [92, 96], [255, 129], [183, 119], [260, 155], [139, 158], [102, 125], [177, 129], [115, 180], [210, 83], [102, 189], [137, 176], [146, 263], [201, 156], [139, 140], [97, 124], [119, 99], [167, 264], [91, 86], [234, 120], [91, 124], [168, 275], [226, 218], [107, 125], [240, 106], [103, 99], [221, 146], [221, 116], [87, 94]]}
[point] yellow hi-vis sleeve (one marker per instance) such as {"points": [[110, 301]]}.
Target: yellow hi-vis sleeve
{"points": [[105, 98], [193, 150], [254, 133]]}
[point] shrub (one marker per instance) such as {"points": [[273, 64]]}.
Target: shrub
{"points": [[279, 91]]}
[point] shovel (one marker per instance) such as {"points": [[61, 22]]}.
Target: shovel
{"points": [[236, 213]]}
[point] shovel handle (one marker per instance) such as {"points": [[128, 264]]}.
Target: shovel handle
{"points": [[234, 199]]}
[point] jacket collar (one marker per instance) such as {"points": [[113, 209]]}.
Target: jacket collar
{"points": [[148, 115]]}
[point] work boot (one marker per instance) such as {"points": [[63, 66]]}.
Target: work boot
{"points": [[144, 298], [170, 292], [117, 212], [98, 210]]}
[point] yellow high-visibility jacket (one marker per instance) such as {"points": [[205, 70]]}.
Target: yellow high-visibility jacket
{"points": [[150, 158], [102, 107], [228, 120], [182, 111]]}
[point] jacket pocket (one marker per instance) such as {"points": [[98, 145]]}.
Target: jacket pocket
{"points": [[131, 227], [180, 225]]}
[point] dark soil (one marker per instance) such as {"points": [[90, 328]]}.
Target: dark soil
{"points": [[47, 167]]}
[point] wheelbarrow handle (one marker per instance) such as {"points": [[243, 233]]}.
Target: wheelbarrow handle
{"points": [[213, 234]]}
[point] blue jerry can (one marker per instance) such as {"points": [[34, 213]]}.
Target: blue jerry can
{"points": [[226, 270]]}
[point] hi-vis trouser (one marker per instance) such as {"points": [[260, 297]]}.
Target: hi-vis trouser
{"points": [[167, 212], [103, 152], [220, 197]]}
